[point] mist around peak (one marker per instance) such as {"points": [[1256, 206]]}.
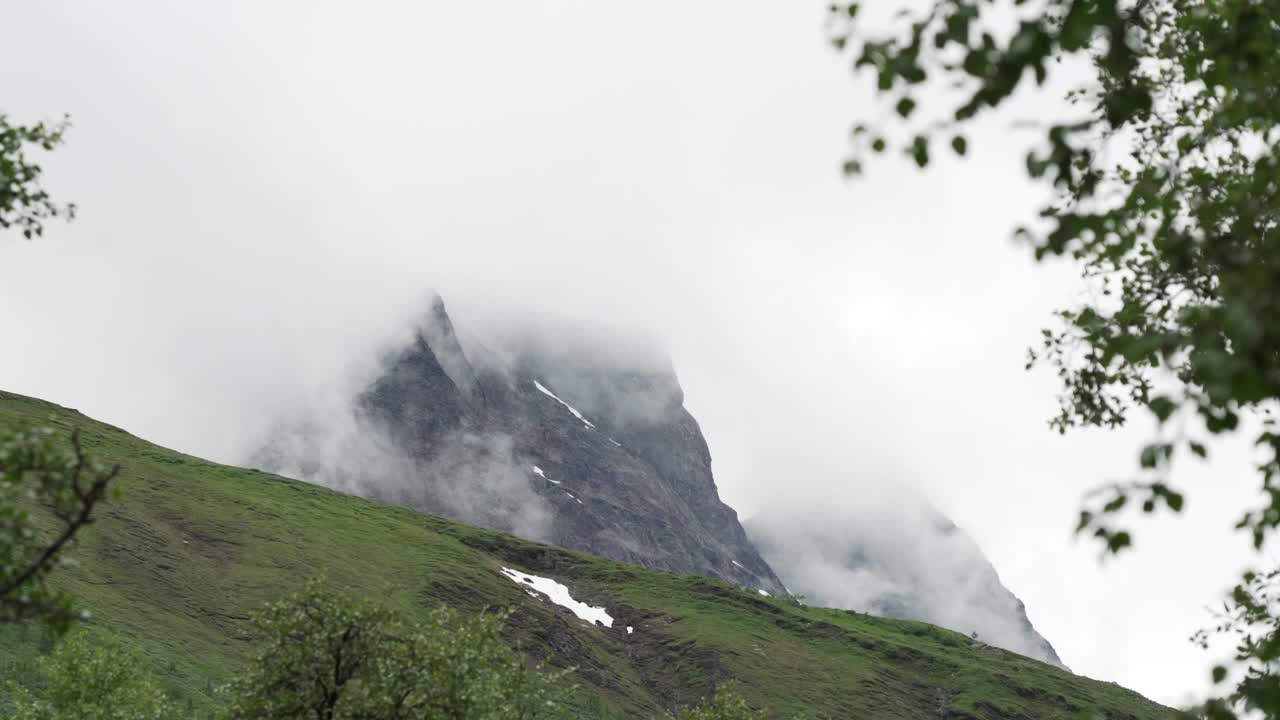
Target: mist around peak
{"points": [[895, 556]]}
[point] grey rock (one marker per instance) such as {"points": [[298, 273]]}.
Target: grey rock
{"points": [[459, 432]]}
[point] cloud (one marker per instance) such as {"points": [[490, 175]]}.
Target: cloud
{"points": [[474, 477], [894, 557]]}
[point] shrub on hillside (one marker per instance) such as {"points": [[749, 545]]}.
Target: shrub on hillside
{"points": [[93, 679], [330, 656]]}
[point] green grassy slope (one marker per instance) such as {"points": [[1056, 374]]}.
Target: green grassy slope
{"points": [[191, 548]]}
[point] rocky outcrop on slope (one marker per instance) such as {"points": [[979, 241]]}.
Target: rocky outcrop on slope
{"points": [[584, 446]]}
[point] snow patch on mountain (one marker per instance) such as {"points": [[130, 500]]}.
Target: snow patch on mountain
{"points": [[559, 594], [539, 472], [542, 389]]}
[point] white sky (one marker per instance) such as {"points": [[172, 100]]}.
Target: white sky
{"points": [[266, 189]]}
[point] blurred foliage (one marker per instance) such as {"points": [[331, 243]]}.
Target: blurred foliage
{"points": [[87, 679], [1251, 618], [24, 203], [1163, 186], [38, 473], [43, 478], [326, 655]]}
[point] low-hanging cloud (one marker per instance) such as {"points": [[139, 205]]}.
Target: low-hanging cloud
{"points": [[896, 557], [474, 477], [342, 437]]}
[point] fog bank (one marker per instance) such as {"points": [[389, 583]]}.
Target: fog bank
{"points": [[894, 557]]}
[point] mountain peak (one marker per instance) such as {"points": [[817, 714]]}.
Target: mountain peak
{"points": [[548, 435]]}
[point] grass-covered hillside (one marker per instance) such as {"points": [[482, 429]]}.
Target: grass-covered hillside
{"points": [[190, 548]]}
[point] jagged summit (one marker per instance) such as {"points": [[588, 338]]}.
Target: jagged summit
{"points": [[585, 446], [438, 334]]}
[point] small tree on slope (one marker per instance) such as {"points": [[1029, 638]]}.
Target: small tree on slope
{"points": [[93, 679], [327, 656]]}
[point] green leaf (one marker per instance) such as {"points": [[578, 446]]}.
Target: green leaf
{"points": [[960, 145], [1150, 456], [1086, 518], [1162, 406], [919, 151], [905, 106]]}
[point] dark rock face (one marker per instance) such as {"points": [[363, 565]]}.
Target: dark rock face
{"points": [[904, 560], [585, 448]]}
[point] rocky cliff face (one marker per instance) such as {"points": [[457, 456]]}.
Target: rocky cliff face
{"points": [[903, 560], [584, 446]]}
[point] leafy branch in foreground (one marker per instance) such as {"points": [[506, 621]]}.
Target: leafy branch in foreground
{"points": [[1163, 182], [1252, 620], [37, 471], [24, 203]]}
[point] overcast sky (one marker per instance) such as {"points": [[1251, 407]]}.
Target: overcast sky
{"points": [[267, 190]]}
